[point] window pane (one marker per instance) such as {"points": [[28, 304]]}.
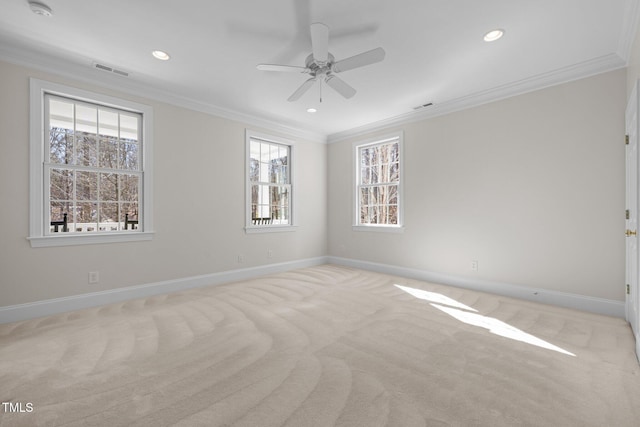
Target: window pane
{"points": [[87, 147], [108, 216], [86, 185], [86, 119], [129, 212], [393, 214], [392, 194], [60, 131], [262, 194], [86, 130], [265, 153], [363, 196], [394, 175], [373, 174], [129, 127], [61, 184], [58, 209], [283, 214], [279, 200], [86, 217], [255, 193], [129, 155], [279, 174], [61, 114], [363, 215], [254, 161], [108, 187], [263, 211], [108, 153], [395, 153], [57, 212], [61, 145], [383, 194], [108, 124], [129, 188]]}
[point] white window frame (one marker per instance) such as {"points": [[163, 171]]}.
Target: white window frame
{"points": [[269, 228], [394, 228], [38, 209]]}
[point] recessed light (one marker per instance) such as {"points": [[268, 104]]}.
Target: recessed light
{"points": [[311, 110], [163, 56], [493, 35], [40, 9]]}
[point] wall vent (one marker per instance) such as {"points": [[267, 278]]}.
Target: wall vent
{"points": [[109, 69], [423, 106]]}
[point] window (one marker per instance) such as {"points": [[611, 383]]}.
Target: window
{"points": [[90, 167], [269, 183], [379, 184]]}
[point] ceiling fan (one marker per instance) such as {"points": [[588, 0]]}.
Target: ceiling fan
{"points": [[321, 65]]}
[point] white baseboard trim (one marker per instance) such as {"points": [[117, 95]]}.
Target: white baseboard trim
{"points": [[578, 302], [36, 309], [15, 313]]}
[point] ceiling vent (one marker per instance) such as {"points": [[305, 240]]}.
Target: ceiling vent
{"points": [[109, 69], [419, 107]]}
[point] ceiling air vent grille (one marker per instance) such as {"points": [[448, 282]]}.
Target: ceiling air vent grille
{"points": [[423, 106], [109, 69]]}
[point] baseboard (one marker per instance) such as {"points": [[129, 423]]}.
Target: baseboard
{"points": [[578, 302], [33, 310], [36, 309]]}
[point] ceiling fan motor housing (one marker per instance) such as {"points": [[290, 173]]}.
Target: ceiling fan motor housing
{"points": [[317, 67]]}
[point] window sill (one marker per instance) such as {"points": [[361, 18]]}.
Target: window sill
{"points": [[379, 228], [88, 239], [270, 229]]}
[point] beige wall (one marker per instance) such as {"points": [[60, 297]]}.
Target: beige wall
{"points": [[198, 210], [532, 187]]}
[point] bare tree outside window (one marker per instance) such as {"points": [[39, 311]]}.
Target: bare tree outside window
{"points": [[270, 183], [93, 169], [378, 183]]}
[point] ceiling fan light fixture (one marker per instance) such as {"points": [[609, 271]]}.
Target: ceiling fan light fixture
{"points": [[493, 35], [161, 55], [40, 9]]}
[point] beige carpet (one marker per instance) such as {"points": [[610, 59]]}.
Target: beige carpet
{"points": [[322, 346]]}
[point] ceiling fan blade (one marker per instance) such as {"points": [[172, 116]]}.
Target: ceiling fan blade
{"points": [[320, 41], [360, 60], [285, 68], [302, 89], [340, 86]]}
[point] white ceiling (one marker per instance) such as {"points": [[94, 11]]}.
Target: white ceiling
{"points": [[434, 52]]}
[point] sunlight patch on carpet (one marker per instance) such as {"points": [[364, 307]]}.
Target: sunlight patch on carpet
{"points": [[434, 297], [499, 327], [470, 316]]}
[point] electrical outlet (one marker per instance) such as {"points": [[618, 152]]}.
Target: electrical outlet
{"points": [[240, 259], [474, 265], [269, 253], [94, 277]]}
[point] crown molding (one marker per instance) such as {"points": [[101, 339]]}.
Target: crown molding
{"points": [[86, 74], [563, 75], [629, 28]]}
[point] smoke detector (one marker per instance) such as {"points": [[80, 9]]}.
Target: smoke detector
{"points": [[40, 9]]}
